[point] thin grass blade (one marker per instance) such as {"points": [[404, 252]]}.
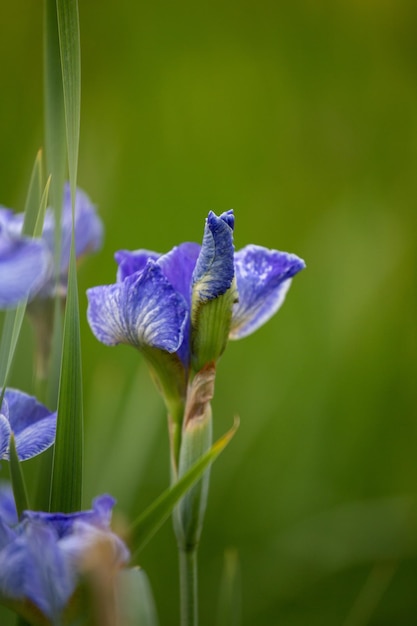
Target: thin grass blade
{"points": [[155, 515], [69, 41], [18, 480], [67, 472]]}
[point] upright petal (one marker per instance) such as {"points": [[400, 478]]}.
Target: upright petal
{"points": [[88, 227], [143, 310], [213, 291], [263, 278], [214, 271], [130, 262], [178, 267]]}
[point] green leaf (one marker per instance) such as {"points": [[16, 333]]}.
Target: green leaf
{"points": [[55, 132], [69, 42], [18, 480], [33, 198], [155, 515], [135, 598], [67, 471]]}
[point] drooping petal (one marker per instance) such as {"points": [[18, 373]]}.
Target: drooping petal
{"points": [[130, 262], [143, 310], [33, 425], [263, 278], [49, 578], [25, 265], [214, 270]]}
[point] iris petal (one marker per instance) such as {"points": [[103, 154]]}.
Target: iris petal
{"points": [[32, 423], [263, 279], [130, 262], [143, 310], [214, 271], [4, 436], [25, 265]]}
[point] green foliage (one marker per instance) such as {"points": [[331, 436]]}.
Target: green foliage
{"points": [[300, 116], [67, 469], [158, 512]]}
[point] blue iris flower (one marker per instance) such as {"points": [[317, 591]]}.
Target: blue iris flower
{"points": [[155, 303], [88, 238], [32, 424], [43, 556], [25, 264]]}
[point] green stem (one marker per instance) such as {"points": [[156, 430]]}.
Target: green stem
{"points": [[188, 586]]}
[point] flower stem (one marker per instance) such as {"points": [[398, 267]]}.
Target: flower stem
{"points": [[188, 586]]}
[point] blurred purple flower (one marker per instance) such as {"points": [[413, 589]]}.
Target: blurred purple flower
{"points": [[32, 424], [88, 236], [44, 555], [25, 264]]}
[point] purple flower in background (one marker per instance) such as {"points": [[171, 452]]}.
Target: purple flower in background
{"points": [[42, 557], [32, 424], [159, 300], [25, 264], [88, 236]]}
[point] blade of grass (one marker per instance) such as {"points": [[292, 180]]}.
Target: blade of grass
{"points": [[18, 480], [55, 132], [56, 161], [147, 524], [67, 472], [69, 41], [66, 484]]}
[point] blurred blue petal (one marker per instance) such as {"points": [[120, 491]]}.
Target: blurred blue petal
{"points": [[5, 432], [263, 279], [143, 310], [25, 265], [33, 425], [7, 505], [88, 234], [214, 270], [43, 557]]}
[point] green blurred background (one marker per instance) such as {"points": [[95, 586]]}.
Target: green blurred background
{"points": [[302, 116]]}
